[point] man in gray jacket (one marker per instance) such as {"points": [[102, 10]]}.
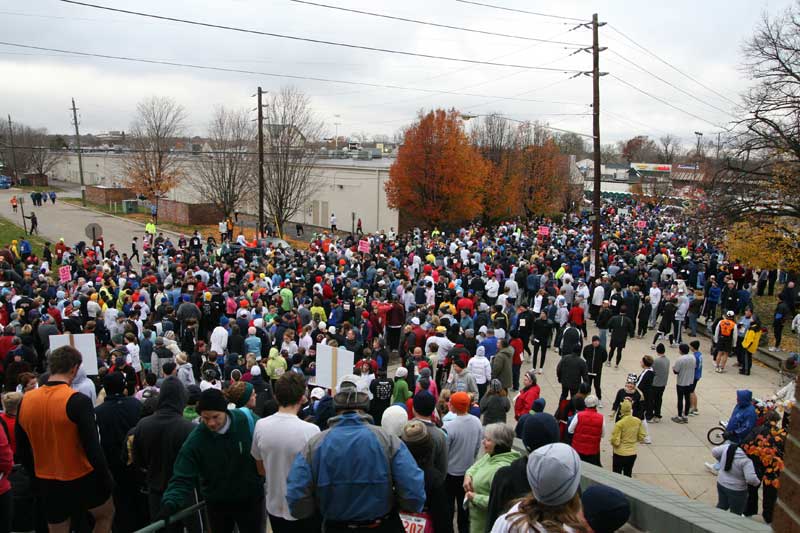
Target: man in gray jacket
{"points": [[661, 370]]}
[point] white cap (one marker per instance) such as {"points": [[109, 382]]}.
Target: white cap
{"points": [[415, 321]]}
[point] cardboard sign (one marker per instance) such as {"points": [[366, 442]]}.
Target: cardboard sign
{"points": [[84, 343], [65, 274], [544, 231], [641, 224], [363, 246], [332, 365]]}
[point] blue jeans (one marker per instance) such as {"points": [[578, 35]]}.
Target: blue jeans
{"points": [[731, 500], [693, 324]]}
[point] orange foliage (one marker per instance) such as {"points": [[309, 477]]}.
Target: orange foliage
{"points": [[543, 179], [438, 174], [500, 194]]}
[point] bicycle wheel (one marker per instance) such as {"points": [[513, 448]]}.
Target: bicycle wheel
{"points": [[716, 435]]}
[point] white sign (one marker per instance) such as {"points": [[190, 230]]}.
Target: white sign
{"points": [[84, 343], [332, 365]]}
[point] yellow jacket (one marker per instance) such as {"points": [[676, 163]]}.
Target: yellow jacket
{"points": [[628, 432], [751, 340]]}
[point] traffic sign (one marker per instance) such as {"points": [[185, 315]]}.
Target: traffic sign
{"points": [[93, 231]]}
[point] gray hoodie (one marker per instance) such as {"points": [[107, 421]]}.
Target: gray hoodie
{"points": [[83, 384]]}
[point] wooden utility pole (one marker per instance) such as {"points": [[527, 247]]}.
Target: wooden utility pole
{"points": [[260, 164], [13, 151], [78, 145], [596, 133]]}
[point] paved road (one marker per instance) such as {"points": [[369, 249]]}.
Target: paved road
{"points": [[68, 221]]}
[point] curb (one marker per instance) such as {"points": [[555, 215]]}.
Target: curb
{"points": [[176, 234]]}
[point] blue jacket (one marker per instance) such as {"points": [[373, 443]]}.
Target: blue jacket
{"points": [[354, 472], [490, 345], [743, 417]]}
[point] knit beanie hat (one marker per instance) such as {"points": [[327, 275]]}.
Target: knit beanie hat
{"points": [[540, 429], [425, 372], [418, 440], [461, 401], [114, 383], [424, 404], [538, 405], [606, 509], [393, 420], [554, 473], [212, 400]]}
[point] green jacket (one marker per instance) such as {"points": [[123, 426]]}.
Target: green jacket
{"points": [[482, 474], [276, 365], [220, 465]]}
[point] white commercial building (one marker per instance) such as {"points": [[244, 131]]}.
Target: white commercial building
{"points": [[350, 188]]}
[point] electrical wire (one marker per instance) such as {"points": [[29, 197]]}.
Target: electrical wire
{"points": [[521, 11], [437, 25], [276, 75], [670, 65], [659, 78], [632, 86], [310, 40]]}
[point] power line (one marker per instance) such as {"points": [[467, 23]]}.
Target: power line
{"points": [[521, 11], [276, 75], [310, 40], [659, 78], [670, 65], [665, 102], [446, 26]]}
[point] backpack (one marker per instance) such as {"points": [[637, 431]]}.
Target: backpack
{"points": [[726, 327]]}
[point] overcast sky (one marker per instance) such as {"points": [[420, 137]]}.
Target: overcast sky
{"points": [[703, 39]]}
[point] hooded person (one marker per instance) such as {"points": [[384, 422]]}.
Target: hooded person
{"points": [[156, 440], [84, 385], [554, 475], [511, 482], [743, 417], [185, 371], [276, 365]]}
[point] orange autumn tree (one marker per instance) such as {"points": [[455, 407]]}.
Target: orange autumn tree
{"points": [[438, 175], [544, 179]]}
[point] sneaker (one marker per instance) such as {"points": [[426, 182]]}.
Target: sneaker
{"points": [[539, 371], [685, 419], [677, 419], [710, 468], [608, 363], [648, 440], [694, 412], [652, 346], [599, 404], [616, 366], [655, 420]]}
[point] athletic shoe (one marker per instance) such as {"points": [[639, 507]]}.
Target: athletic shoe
{"points": [[539, 371], [685, 419], [677, 420], [608, 363], [694, 412], [616, 366], [599, 404], [648, 440], [652, 346], [655, 420], [710, 468]]}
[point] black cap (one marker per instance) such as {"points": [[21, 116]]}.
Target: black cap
{"points": [[212, 400]]}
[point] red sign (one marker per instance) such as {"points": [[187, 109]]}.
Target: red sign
{"points": [[65, 273], [641, 224], [544, 231], [363, 246]]}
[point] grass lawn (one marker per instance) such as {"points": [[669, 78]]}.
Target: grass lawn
{"points": [[10, 231], [36, 188], [765, 310]]}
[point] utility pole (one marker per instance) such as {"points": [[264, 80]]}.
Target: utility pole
{"points": [[596, 141], [260, 164], [80, 158], [718, 143], [13, 152]]}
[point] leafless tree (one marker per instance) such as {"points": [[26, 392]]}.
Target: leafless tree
{"points": [[224, 176], [759, 177], [16, 155], [42, 158], [669, 148], [151, 165], [289, 124]]}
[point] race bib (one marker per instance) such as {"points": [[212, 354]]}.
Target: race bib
{"points": [[416, 522], [522, 322]]}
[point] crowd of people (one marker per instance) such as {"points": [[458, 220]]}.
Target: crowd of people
{"points": [[206, 358]]}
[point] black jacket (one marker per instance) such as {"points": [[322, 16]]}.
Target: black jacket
{"points": [[158, 438], [621, 327], [509, 484], [571, 371], [595, 357], [115, 417]]}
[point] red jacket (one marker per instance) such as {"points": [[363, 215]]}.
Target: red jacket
{"points": [[6, 462], [588, 432], [576, 315], [524, 402], [517, 345]]}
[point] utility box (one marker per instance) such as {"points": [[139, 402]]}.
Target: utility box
{"points": [[130, 206]]}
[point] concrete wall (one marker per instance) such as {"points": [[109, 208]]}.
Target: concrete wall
{"points": [[345, 187]]}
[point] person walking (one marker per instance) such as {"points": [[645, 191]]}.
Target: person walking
{"points": [[277, 439], [750, 343], [595, 355], [783, 311], [34, 224], [216, 457], [355, 489], [588, 427], [621, 327], [481, 369], [542, 329], [684, 369], [571, 371], [628, 432], [58, 444], [464, 434]]}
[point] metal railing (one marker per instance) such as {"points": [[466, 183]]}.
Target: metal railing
{"points": [[180, 515]]}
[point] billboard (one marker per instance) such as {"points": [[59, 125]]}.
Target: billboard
{"points": [[651, 167]]}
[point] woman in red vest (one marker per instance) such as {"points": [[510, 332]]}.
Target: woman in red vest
{"points": [[588, 427]]}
